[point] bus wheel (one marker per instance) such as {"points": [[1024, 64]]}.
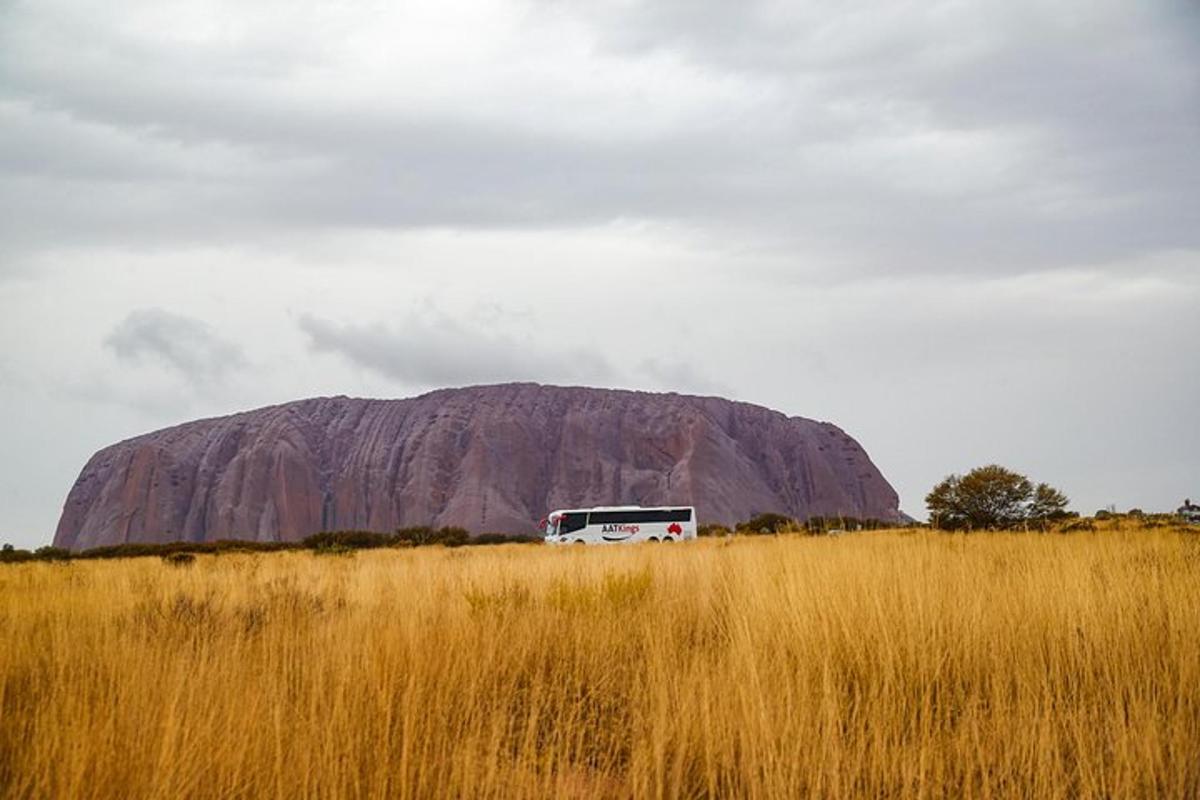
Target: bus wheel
{"points": [[654, 539], [668, 539], [579, 541]]}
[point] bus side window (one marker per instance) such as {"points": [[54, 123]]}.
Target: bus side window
{"points": [[572, 522]]}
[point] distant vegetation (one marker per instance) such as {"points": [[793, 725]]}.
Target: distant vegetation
{"points": [[347, 542], [340, 542], [899, 664], [771, 524]]}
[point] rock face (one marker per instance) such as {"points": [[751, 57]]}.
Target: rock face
{"points": [[489, 458]]}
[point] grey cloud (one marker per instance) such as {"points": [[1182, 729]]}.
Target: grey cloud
{"points": [[993, 137], [181, 343], [870, 210], [1097, 99], [439, 351]]}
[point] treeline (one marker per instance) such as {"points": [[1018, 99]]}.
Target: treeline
{"points": [[770, 524], [344, 542], [326, 542]]}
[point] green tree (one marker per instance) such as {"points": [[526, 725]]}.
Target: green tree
{"points": [[992, 497], [1048, 505]]}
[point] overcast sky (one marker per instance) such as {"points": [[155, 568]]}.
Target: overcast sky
{"points": [[966, 232]]}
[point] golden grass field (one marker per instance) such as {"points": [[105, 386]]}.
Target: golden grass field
{"points": [[905, 664]]}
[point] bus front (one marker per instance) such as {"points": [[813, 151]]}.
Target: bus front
{"points": [[549, 527]]}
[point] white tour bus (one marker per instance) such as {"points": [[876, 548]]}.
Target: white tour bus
{"points": [[610, 524]]}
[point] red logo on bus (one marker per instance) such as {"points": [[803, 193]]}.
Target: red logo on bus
{"points": [[674, 528]]}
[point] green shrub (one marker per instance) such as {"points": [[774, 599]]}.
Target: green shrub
{"points": [[49, 553], [11, 555], [356, 540], [503, 538], [423, 534], [453, 537], [416, 535], [767, 524]]}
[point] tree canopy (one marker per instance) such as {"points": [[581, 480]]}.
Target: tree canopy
{"points": [[993, 497]]}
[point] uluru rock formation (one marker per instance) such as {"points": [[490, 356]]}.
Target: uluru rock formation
{"points": [[487, 458]]}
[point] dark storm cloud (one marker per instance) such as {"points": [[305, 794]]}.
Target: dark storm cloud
{"points": [[181, 343], [440, 351], [986, 137]]}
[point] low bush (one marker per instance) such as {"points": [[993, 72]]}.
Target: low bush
{"points": [[453, 537], [416, 535], [50, 553], [357, 540], [503, 538], [767, 524], [11, 555], [423, 534]]}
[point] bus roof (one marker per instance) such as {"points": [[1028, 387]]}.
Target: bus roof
{"points": [[615, 508]]}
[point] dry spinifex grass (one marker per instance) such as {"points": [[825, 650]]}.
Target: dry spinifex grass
{"points": [[898, 664]]}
